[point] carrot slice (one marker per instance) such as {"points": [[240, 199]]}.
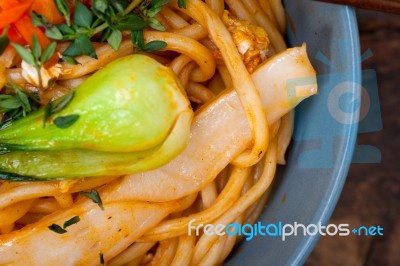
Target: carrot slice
{"points": [[48, 9], [14, 35], [12, 10], [27, 30]]}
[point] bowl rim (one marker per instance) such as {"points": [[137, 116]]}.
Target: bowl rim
{"points": [[325, 212]]}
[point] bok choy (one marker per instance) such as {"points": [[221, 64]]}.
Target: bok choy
{"points": [[130, 116]]}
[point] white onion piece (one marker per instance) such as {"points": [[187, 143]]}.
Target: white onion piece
{"points": [[109, 232]]}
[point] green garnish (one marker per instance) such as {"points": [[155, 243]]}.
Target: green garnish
{"points": [[35, 56], [95, 197], [83, 17], [130, 119], [61, 230], [4, 41], [106, 19], [15, 105], [71, 221], [58, 229], [80, 46], [51, 30], [56, 107], [69, 60], [138, 41], [63, 9], [182, 3], [66, 121]]}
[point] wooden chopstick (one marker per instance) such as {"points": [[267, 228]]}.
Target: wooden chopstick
{"points": [[392, 6]]}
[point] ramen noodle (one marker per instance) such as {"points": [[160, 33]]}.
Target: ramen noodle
{"points": [[231, 59]]}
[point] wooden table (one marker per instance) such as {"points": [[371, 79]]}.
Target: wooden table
{"points": [[371, 195]]}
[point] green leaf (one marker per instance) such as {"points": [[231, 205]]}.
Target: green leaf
{"points": [[155, 7], [97, 22], [154, 46], [82, 15], [58, 229], [105, 34], [63, 9], [54, 33], [5, 96], [158, 3], [118, 6], [52, 108], [16, 105], [100, 5], [103, 11], [131, 22], [137, 39], [155, 24], [37, 20], [51, 30], [4, 41], [69, 60], [36, 48], [9, 104], [63, 103], [24, 53], [65, 121], [71, 221], [81, 46], [23, 98], [182, 3], [48, 52], [65, 29], [115, 39], [47, 113], [94, 196]]}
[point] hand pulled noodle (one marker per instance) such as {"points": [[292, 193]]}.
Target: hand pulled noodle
{"points": [[231, 59]]}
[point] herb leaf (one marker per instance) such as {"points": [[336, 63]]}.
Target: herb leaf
{"points": [[63, 103], [65, 121], [71, 221], [137, 39], [48, 52], [94, 196], [9, 103], [58, 229], [81, 46], [131, 22], [155, 24], [69, 60], [115, 39], [51, 31], [155, 7], [82, 15], [182, 3], [50, 109], [63, 9], [4, 41], [61, 230], [100, 5], [36, 48], [25, 54], [15, 105], [154, 46]]}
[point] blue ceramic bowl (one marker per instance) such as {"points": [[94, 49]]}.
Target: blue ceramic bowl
{"points": [[308, 187]]}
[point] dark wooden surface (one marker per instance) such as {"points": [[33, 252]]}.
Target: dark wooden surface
{"points": [[371, 195]]}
